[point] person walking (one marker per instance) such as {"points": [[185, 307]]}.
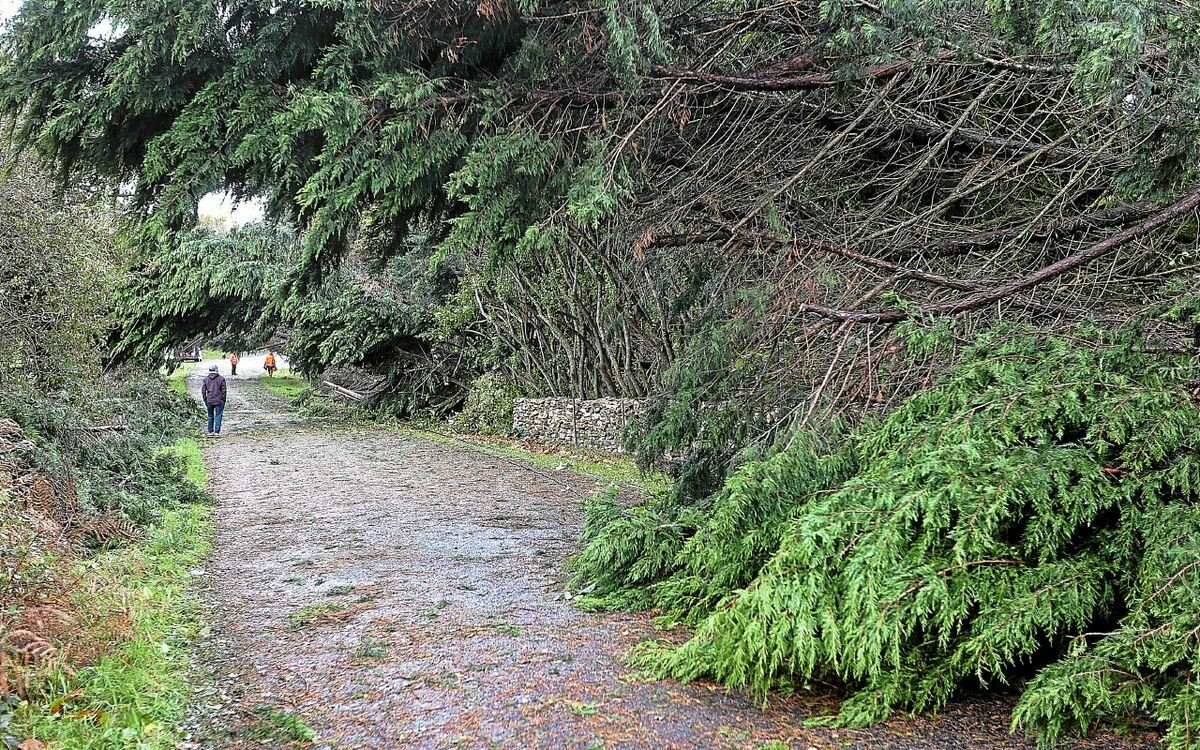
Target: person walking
{"points": [[269, 364], [213, 392], [233, 360]]}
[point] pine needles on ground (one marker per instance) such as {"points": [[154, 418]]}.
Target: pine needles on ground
{"points": [[1034, 513]]}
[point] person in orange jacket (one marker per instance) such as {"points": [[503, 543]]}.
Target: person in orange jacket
{"points": [[269, 364], [233, 360]]}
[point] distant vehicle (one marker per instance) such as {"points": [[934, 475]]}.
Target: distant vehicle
{"points": [[184, 355]]}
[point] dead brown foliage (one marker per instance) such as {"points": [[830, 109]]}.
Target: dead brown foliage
{"points": [[44, 628]]}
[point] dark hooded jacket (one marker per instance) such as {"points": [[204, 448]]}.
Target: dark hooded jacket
{"points": [[213, 390]]}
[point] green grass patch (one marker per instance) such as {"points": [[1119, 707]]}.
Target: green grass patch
{"points": [[177, 379], [509, 629], [286, 384], [313, 614], [433, 612], [371, 649], [609, 469], [276, 725], [583, 709], [135, 695], [189, 450]]}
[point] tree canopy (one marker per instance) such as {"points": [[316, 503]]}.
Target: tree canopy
{"points": [[758, 216], [600, 185]]}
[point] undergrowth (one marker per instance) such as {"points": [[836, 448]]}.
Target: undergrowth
{"points": [[177, 380], [488, 408], [134, 696], [1034, 514], [103, 514], [103, 439]]}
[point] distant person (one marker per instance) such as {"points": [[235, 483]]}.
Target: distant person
{"points": [[269, 364], [233, 360], [213, 392]]}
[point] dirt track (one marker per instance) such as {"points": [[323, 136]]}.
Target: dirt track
{"points": [[399, 593]]}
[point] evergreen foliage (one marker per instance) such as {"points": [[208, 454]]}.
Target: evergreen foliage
{"points": [[60, 264], [127, 472], [703, 417], [238, 289], [489, 407], [723, 207], [600, 183], [225, 287], [630, 549], [1035, 510]]}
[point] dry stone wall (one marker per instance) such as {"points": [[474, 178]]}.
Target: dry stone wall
{"points": [[591, 423]]}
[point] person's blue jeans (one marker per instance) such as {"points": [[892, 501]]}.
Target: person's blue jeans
{"points": [[215, 411]]}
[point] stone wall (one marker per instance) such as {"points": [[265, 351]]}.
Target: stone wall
{"points": [[593, 423]]}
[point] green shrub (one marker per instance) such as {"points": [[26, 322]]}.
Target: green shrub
{"points": [[126, 470], [489, 407], [1036, 512]]}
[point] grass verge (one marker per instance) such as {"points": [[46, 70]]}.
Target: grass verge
{"points": [[602, 467], [135, 695], [177, 379], [286, 384], [189, 450]]}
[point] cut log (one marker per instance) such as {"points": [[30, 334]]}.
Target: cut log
{"points": [[344, 392]]}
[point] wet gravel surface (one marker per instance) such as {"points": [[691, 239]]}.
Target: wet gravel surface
{"points": [[396, 593]]}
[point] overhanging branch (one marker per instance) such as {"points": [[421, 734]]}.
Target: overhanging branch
{"points": [[763, 82], [1041, 276]]}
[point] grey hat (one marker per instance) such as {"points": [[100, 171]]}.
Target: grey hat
{"points": [[212, 368]]}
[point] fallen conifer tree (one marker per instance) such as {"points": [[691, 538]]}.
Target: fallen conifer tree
{"points": [[1032, 519]]}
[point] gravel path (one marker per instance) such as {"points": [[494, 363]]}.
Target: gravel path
{"points": [[396, 593]]}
